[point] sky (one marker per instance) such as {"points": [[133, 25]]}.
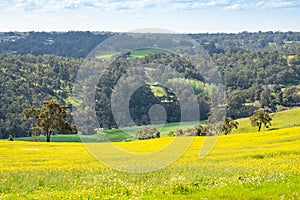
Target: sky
{"points": [[182, 16]]}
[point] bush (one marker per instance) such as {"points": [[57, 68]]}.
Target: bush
{"points": [[34, 139], [179, 132], [198, 130], [147, 133], [10, 138], [202, 130], [171, 134], [191, 132]]}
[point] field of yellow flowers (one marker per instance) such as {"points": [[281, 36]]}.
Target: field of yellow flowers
{"points": [[252, 165]]}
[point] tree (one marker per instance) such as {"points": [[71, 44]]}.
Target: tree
{"points": [[228, 125], [260, 117], [235, 102], [291, 96], [265, 97], [49, 118]]}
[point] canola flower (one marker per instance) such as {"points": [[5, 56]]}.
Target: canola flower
{"points": [[240, 166]]}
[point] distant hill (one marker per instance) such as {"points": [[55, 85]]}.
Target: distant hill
{"points": [[77, 44], [68, 44]]}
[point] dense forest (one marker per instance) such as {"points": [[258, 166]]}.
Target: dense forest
{"points": [[28, 80], [258, 69]]}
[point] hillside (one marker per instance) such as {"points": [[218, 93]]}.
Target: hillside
{"points": [[280, 120], [283, 119], [72, 44], [256, 69]]}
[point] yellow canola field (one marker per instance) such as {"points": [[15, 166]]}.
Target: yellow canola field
{"points": [[29, 170]]}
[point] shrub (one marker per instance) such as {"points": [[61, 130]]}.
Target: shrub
{"points": [[191, 132], [171, 134], [179, 132], [10, 138], [34, 139], [198, 130], [202, 130], [147, 133]]}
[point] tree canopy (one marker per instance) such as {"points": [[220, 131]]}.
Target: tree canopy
{"points": [[51, 117], [259, 118], [228, 125]]}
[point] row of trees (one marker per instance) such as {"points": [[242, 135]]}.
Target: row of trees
{"points": [[72, 44]]}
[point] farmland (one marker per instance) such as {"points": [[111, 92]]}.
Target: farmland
{"points": [[242, 165], [114, 135], [137, 53], [252, 165]]}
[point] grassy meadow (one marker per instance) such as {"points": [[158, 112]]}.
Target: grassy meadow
{"points": [[250, 165], [137, 53], [283, 119], [114, 135]]}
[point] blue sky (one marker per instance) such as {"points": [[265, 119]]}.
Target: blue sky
{"points": [[184, 16]]}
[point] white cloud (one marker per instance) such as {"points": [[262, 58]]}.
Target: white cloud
{"points": [[58, 5], [277, 4], [119, 5], [137, 5], [114, 5], [187, 5], [236, 7]]}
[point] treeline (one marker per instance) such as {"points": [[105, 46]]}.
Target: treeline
{"points": [[247, 41], [77, 44], [67, 44], [259, 79]]}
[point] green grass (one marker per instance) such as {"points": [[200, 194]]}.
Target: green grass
{"points": [[140, 53], [266, 190], [158, 91], [105, 56], [178, 125], [284, 119], [164, 129], [114, 135], [54, 138]]}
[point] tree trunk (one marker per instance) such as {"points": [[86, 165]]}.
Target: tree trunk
{"points": [[48, 136], [259, 127]]}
